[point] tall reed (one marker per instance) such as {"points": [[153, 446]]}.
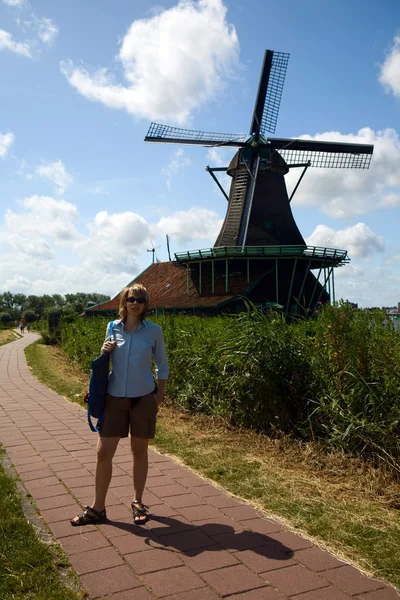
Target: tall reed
{"points": [[335, 378]]}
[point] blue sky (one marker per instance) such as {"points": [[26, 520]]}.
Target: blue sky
{"points": [[82, 197]]}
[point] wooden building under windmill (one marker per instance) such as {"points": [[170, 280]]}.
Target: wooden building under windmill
{"points": [[259, 254]]}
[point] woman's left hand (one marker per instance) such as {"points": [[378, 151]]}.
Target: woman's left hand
{"points": [[158, 398]]}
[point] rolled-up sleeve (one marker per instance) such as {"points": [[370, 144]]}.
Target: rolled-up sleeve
{"points": [[160, 356]]}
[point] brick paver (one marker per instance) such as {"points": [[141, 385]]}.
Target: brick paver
{"points": [[201, 543]]}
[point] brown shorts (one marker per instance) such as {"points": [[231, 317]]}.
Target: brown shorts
{"points": [[135, 414]]}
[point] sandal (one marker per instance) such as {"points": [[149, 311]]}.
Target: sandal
{"points": [[89, 517], [140, 512]]}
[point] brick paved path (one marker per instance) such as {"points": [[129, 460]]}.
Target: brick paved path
{"points": [[201, 544]]}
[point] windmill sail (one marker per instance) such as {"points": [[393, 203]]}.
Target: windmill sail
{"points": [[175, 135], [269, 92], [332, 155]]}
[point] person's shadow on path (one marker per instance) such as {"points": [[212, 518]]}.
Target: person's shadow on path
{"points": [[167, 533]]}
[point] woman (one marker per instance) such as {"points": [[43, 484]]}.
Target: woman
{"points": [[132, 400]]}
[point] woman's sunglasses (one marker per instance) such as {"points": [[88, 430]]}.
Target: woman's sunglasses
{"points": [[132, 299]]}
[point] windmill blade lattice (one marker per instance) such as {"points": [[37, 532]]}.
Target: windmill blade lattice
{"points": [[175, 135], [269, 92], [328, 155]]}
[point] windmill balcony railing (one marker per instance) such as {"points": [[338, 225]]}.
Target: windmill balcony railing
{"points": [[306, 252]]}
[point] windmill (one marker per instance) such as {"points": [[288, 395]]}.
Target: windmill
{"points": [[153, 251], [259, 215]]}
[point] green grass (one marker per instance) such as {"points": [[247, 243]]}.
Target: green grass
{"points": [[57, 371], [341, 502], [29, 569], [7, 336]]}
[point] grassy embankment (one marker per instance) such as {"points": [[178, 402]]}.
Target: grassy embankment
{"points": [[30, 569], [342, 502], [6, 336]]}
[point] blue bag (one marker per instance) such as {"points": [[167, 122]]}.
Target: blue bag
{"points": [[96, 395]]}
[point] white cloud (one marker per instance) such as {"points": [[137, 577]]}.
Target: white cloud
{"points": [[16, 3], [98, 190], [178, 162], [37, 249], [194, 224], [390, 200], [56, 173], [114, 241], [359, 240], [165, 77], [364, 285], [43, 216], [47, 30], [219, 156], [390, 70], [42, 235], [343, 193], [43, 28], [6, 141], [18, 284], [7, 42]]}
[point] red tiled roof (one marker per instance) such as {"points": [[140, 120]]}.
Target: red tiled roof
{"points": [[166, 283]]}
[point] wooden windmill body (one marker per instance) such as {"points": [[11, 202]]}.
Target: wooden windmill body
{"points": [[259, 243]]}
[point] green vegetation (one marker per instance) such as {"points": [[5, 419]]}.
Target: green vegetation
{"points": [[6, 336], [342, 502], [334, 379], [53, 368], [29, 569], [32, 308]]}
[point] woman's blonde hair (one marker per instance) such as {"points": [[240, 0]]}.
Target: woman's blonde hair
{"points": [[138, 290]]}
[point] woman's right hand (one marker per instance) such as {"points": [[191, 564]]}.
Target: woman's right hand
{"points": [[108, 347]]}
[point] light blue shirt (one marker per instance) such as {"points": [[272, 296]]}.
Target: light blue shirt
{"points": [[132, 359]]}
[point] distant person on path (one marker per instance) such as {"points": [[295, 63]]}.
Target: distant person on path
{"points": [[28, 326], [132, 400], [21, 325]]}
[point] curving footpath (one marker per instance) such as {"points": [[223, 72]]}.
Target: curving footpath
{"points": [[201, 544]]}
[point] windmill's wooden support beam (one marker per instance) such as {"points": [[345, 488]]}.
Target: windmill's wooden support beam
{"points": [[304, 281], [323, 287], [210, 170], [200, 263], [291, 284], [315, 287], [300, 178]]}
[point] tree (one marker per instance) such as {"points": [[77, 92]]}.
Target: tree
{"points": [[30, 316], [5, 318], [36, 304], [58, 300], [7, 301], [48, 301], [19, 302]]}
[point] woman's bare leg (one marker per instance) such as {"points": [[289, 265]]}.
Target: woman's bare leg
{"points": [[140, 466], [106, 447]]}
